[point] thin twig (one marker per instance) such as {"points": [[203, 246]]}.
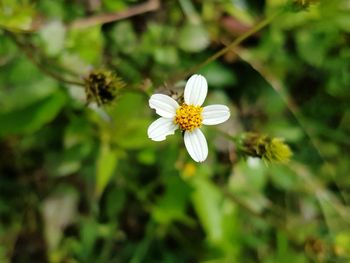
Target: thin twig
{"points": [[234, 44], [41, 67], [237, 41], [148, 6]]}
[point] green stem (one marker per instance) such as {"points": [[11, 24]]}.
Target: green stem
{"points": [[233, 44], [39, 65], [137, 89], [230, 137], [236, 42]]}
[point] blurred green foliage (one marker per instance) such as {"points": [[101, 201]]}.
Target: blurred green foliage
{"points": [[83, 183]]}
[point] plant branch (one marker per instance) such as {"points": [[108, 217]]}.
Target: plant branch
{"points": [[229, 47], [148, 6], [38, 64], [236, 42]]}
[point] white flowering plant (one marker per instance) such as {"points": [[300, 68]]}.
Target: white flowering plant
{"points": [[188, 117], [91, 92]]}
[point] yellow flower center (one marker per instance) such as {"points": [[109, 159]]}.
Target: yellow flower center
{"points": [[189, 117]]}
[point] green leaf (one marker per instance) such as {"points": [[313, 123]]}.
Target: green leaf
{"points": [[130, 122], [249, 182], [32, 117], [15, 15], [70, 160], [136, 133], [124, 37], [172, 205], [166, 55], [342, 243], [217, 215], [112, 5], [21, 96], [218, 76], [193, 38], [87, 42], [106, 164], [147, 157], [115, 201], [88, 237], [53, 35], [207, 201], [313, 46]]}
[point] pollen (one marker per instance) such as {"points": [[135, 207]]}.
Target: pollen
{"points": [[189, 117]]}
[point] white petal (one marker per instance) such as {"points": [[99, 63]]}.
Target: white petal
{"points": [[164, 105], [215, 114], [196, 90], [160, 128], [196, 145]]}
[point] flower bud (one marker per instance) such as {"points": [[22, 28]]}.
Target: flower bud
{"points": [[270, 150], [303, 4]]}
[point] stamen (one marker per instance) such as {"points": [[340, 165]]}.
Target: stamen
{"points": [[189, 117]]}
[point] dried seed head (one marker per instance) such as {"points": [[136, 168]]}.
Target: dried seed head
{"points": [[102, 87]]}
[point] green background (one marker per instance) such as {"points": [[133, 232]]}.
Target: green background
{"points": [[80, 183]]}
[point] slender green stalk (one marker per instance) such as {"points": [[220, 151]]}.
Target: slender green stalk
{"points": [[234, 44], [39, 65], [228, 136]]}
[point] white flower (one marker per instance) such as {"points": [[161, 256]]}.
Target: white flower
{"points": [[189, 117]]}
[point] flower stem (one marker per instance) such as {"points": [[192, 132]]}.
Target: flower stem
{"points": [[236, 42], [228, 136], [233, 44], [38, 64]]}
